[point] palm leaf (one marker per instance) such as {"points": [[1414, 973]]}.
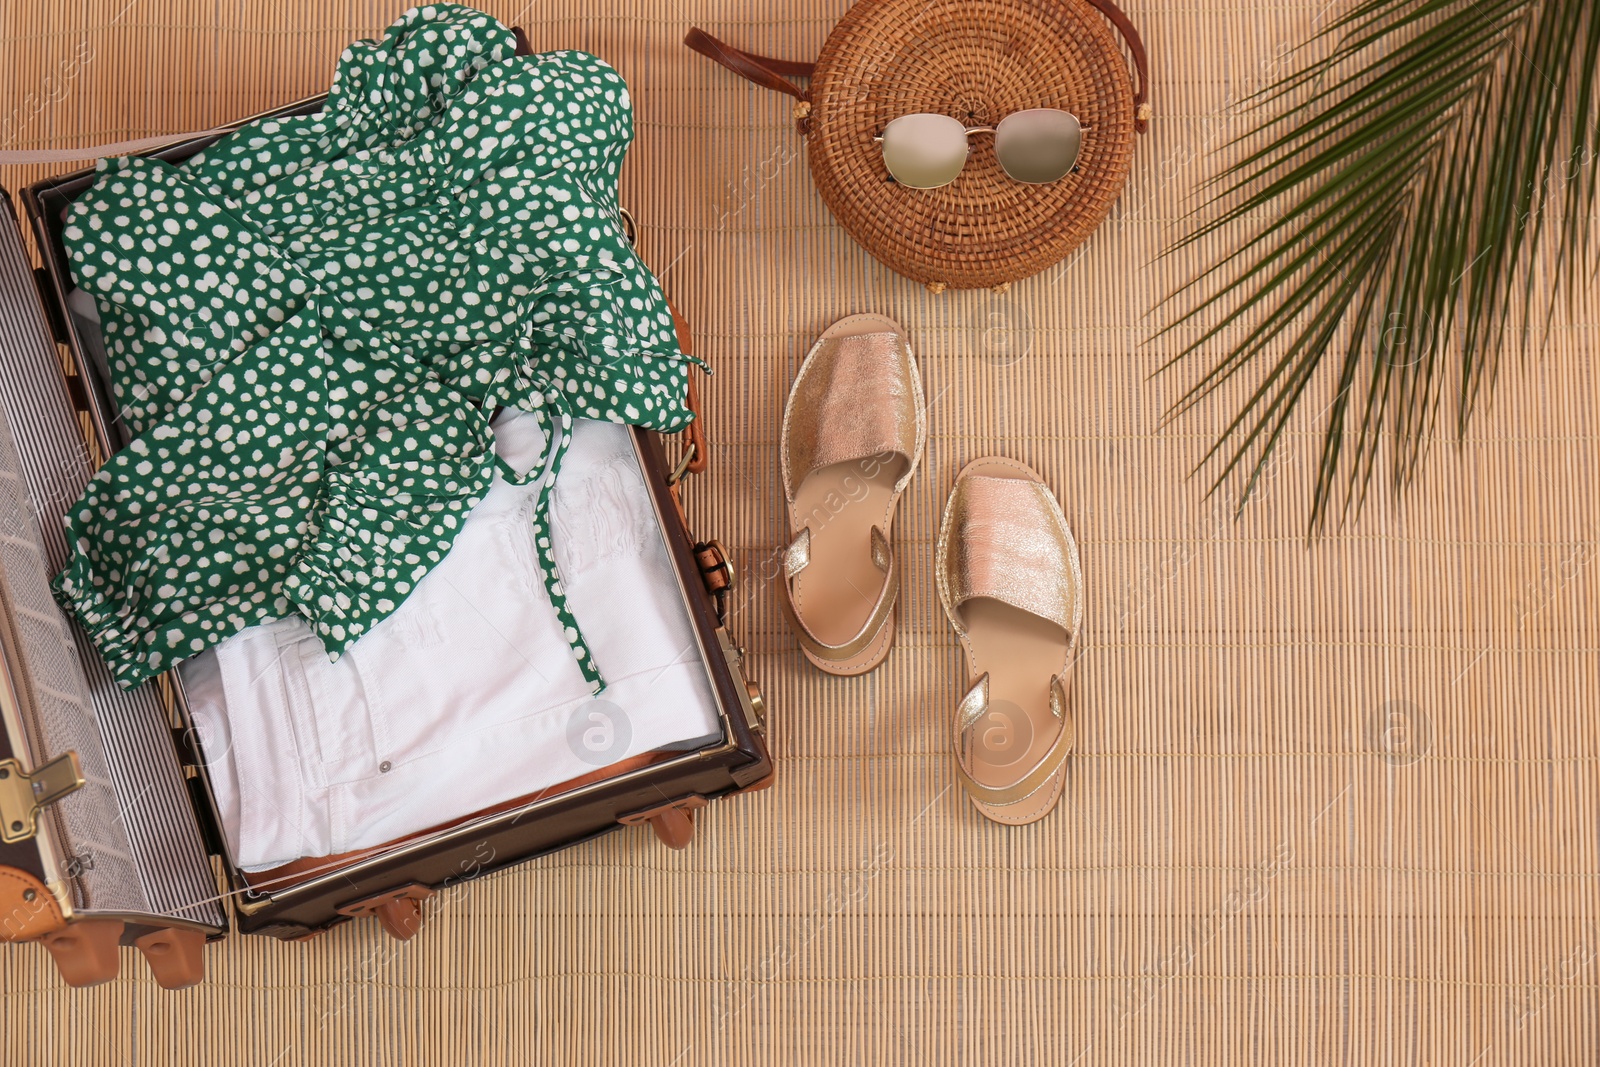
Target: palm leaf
{"points": [[1413, 171]]}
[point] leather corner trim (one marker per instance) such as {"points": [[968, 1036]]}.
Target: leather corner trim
{"points": [[28, 910]]}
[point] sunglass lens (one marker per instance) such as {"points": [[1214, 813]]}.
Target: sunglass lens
{"points": [[925, 151], [1038, 146]]}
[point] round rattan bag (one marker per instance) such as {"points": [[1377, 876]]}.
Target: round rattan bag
{"points": [[978, 61]]}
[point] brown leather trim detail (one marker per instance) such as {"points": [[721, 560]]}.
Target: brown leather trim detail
{"points": [[398, 911], [175, 956], [673, 823], [763, 70], [715, 567], [28, 909], [85, 951], [696, 453], [694, 435], [1141, 62], [768, 72]]}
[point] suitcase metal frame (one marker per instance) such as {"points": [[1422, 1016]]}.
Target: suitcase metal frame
{"points": [[390, 886]]}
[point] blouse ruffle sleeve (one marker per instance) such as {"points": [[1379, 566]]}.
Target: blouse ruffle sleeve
{"points": [[184, 537], [394, 493]]}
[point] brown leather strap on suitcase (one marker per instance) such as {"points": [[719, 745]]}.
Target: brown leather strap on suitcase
{"points": [[696, 456], [769, 73], [694, 435]]}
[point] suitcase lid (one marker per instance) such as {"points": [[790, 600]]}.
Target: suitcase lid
{"points": [[108, 823]]}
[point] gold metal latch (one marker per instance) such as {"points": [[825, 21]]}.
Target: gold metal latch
{"points": [[23, 796], [755, 705]]}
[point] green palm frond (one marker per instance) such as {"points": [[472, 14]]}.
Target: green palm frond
{"points": [[1411, 176]]}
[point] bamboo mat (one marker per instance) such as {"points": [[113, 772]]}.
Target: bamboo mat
{"points": [[1330, 804]]}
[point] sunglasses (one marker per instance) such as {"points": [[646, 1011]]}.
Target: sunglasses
{"points": [[1035, 147]]}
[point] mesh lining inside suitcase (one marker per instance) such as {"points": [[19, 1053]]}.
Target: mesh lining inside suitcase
{"points": [[128, 836]]}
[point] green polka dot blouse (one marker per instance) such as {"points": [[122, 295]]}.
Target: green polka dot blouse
{"points": [[311, 323]]}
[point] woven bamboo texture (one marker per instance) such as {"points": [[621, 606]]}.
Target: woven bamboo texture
{"points": [[980, 60], [1332, 804]]}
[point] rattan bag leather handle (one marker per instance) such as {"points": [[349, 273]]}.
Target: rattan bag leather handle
{"points": [[763, 70], [769, 73], [1141, 62]]}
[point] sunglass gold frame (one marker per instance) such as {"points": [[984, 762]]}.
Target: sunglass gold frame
{"points": [[968, 131]]}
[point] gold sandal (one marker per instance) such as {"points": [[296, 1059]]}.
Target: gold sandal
{"points": [[853, 433], [1010, 580]]}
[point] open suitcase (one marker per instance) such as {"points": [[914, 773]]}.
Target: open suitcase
{"points": [[111, 833]]}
